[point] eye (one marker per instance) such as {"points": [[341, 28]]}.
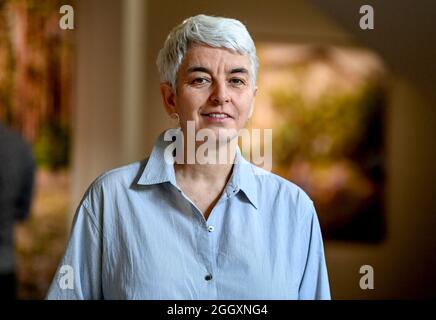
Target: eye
{"points": [[237, 82], [200, 81]]}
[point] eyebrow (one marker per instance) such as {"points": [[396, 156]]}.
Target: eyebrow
{"points": [[239, 70], [206, 70]]}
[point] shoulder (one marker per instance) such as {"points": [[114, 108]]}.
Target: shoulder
{"points": [[282, 192], [118, 176], [16, 155], [112, 183], [14, 142], [277, 184]]}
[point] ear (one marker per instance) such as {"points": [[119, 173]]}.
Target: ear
{"points": [[168, 98], [250, 114]]}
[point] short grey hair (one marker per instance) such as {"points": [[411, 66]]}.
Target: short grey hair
{"points": [[216, 32]]}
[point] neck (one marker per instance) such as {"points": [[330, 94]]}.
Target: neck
{"points": [[208, 166]]}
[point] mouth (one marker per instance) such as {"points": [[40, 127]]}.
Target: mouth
{"points": [[217, 116]]}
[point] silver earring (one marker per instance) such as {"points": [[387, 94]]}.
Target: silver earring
{"points": [[176, 117]]}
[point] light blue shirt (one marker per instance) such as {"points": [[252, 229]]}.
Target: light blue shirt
{"points": [[136, 235]]}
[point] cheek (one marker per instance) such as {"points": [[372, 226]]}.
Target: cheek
{"points": [[189, 106], [244, 107]]}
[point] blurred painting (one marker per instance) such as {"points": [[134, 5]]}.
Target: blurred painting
{"points": [[326, 108]]}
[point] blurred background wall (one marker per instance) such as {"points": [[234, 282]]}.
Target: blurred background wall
{"points": [[404, 262], [117, 112]]}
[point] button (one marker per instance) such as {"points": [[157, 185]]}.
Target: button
{"points": [[210, 228], [208, 277]]}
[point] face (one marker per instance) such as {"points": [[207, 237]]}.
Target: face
{"points": [[214, 90]]}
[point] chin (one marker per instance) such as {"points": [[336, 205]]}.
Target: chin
{"points": [[218, 133], [226, 135]]}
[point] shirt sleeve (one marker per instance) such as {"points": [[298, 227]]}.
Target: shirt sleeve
{"points": [[315, 284], [79, 274]]}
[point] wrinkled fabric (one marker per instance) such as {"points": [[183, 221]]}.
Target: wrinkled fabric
{"points": [[136, 235]]}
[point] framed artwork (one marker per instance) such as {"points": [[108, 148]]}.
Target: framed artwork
{"points": [[326, 107]]}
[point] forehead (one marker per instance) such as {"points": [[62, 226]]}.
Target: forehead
{"points": [[213, 58]]}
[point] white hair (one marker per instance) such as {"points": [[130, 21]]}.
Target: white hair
{"points": [[217, 32]]}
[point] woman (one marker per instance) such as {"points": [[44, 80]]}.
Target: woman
{"points": [[196, 228]]}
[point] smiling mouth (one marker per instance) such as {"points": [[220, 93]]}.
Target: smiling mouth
{"points": [[217, 115]]}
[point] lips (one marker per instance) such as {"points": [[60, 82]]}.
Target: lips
{"points": [[217, 115]]}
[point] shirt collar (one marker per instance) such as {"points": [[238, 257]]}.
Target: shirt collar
{"points": [[160, 169]]}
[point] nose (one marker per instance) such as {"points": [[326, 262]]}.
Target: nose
{"points": [[220, 94]]}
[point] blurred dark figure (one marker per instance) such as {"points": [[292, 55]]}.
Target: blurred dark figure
{"points": [[17, 169]]}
